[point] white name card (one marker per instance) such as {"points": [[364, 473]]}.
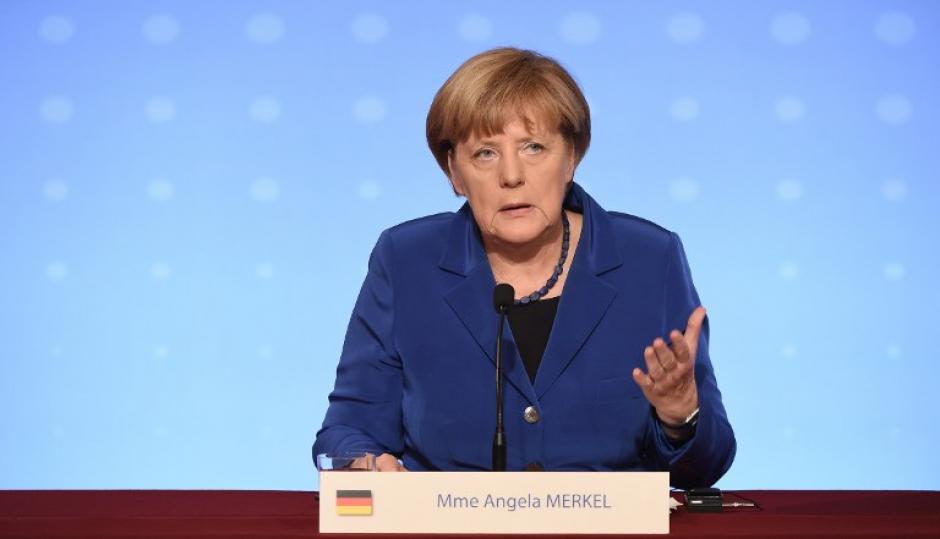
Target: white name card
{"points": [[494, 502]]}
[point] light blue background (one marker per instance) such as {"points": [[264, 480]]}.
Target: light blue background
{"points": [[189, 192]]}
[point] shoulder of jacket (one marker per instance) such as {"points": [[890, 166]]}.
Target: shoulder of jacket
{"points": [[422, 226], [635, 228], [417, 233]]}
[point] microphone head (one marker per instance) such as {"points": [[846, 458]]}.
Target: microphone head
{"points": [[504, 295]]}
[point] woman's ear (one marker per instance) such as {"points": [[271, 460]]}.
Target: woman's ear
{"points": [[455, 181]]}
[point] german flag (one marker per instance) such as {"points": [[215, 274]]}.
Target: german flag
{"points": [[354, 502]]}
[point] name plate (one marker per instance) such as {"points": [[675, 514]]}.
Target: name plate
{"points": [[494, 502]]}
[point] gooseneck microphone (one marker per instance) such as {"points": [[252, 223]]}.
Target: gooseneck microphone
{"points": [[503, 298]]}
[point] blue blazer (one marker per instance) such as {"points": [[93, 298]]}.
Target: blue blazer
{"points": [[416, 375]]}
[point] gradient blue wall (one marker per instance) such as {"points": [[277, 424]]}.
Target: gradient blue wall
{"points": [[189, 192]]}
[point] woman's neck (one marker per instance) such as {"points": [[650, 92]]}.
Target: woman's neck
{"points": [[527, 266]]}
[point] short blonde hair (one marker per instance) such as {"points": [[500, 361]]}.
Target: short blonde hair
{"points": [[493, 86]]}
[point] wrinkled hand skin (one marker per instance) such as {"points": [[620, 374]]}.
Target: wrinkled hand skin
{"points": [[669, 383], [386, 462]]}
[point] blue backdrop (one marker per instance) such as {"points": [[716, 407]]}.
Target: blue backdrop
{"points": [[189, 192]]}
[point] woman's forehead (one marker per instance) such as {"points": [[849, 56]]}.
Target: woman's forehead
{"points": [[516, 125]]}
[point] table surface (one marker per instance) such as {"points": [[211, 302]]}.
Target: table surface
{"points": [[236, 513]]}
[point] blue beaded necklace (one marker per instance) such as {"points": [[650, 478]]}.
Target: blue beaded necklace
{"points": [[537, 295]]}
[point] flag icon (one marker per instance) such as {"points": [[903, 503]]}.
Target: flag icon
{"points": [[354, 502]]}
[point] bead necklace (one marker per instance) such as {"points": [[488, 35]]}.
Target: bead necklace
{"points": [[537, 295]]}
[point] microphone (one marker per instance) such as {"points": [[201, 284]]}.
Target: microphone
{"points": [[503, 298]]}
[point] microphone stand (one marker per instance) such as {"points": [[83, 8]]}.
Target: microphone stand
{"points": [[499, 438]]}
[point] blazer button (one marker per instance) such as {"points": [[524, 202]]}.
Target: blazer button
{"points": [[534, 467], [531, 414]]}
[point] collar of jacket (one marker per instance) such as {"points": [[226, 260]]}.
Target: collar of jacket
{"points": [[596, 247]]}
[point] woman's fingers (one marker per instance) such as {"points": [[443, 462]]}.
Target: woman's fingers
{"points": [[694, 329], [669, 383], [665, 356], [644, 381], [680, 348], [653, 366], [387, 462], [669, 367]]}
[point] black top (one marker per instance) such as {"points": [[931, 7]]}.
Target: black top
{"points": [[531, 324]]}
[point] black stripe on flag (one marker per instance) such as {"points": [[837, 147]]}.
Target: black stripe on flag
{"points": [[353, 493]]}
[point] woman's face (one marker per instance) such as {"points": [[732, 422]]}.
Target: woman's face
{"points": [[515, 181]]}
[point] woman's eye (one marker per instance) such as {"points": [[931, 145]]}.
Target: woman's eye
{"points": [[485, 154], [534, 147]]}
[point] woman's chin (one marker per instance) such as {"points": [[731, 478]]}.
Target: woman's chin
{"points": [[519, 233]]}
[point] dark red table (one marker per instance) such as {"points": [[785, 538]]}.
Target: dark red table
{"points": [[187, 513]]}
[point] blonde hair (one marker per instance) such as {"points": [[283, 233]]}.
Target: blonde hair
{"points": [[493, 86]]}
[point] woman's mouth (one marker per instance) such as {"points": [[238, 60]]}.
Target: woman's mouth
{"points": [[516, 210]]}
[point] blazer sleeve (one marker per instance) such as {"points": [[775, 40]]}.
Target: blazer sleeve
{"points": [[364, 412], [705, 457]]}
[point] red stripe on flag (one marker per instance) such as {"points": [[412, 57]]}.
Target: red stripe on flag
{"points": [[353, 501]]}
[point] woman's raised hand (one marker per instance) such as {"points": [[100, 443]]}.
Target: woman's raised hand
{"points": [[669, 383]]}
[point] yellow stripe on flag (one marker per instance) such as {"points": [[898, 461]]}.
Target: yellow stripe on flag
{"points": [[351, 510]]}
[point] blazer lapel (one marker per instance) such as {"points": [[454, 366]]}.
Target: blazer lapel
{"points": [[583, 304], [472, 298], [586, 297]]}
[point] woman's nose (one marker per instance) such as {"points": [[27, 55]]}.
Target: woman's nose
{"points": [[512, 173]]}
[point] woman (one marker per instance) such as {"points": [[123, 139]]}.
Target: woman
{"points": [[606, 359]]}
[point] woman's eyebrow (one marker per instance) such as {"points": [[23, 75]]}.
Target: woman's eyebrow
{"points": [[490, 142]]}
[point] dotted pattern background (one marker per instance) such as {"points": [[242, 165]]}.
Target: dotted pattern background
{"points": [[189, 192]]}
